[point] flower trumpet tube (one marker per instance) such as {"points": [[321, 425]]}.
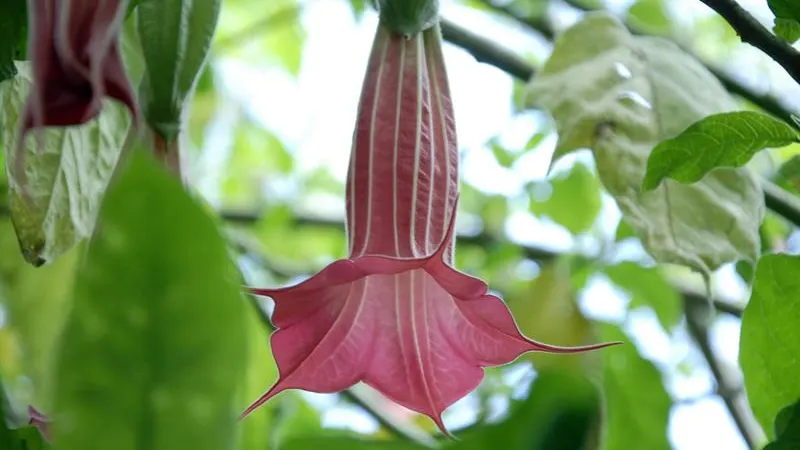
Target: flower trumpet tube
{"points": [[396, 314]]}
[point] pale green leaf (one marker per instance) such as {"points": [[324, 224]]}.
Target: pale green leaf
{"points": [[154, 347], [575, 199], [719, 140], [769, 348], [620, 95], [787, 18], [66, 177], [648, 287], [637, 405]]}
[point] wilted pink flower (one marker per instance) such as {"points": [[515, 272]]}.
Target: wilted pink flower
{"points": [[75, 61], [396, 314]]}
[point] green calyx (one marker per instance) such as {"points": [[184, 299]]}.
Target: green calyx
{"points": [[408, 17]]}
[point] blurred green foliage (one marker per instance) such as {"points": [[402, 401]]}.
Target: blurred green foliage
{"points": [[180, 377]]}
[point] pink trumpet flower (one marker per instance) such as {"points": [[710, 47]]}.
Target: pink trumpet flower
{"points": [[75, 60], [396, 314]]}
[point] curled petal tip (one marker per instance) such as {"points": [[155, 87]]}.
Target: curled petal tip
{"points": [[273, 391]]}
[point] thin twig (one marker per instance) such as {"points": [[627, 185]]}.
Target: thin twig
{"points": [[483, 240], [490, 53], [698, 319], [752, 32]]}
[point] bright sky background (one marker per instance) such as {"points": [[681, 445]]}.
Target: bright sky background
{"points": [[314, 115]]}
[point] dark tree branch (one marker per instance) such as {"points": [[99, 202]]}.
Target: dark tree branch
{"points": [[766, 102], [484, 240], [752, 32], [776, 199]]}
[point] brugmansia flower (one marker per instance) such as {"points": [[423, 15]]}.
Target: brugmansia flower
{"points": [[75, 61], [396, 314]]}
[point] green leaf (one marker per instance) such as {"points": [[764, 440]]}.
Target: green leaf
{"points": [[637, 405], [787, 19], [788, 29], [624, 231], [154, 346], [256, 156], [175, 37], [575, 200], [30, 438], [560, 413], [619, 95], [276, 34], [534, 141], [546, 309], [66, 178], [13, 23], [647, 287], [36, 300], [651, 16], [787, 429], [8, 438], [769, 347], [359, 7], [261, 370], [503, 156], [788, 175], [720, 140]]}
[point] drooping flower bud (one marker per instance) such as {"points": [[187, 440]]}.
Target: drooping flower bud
{"points": [[75, 60], [396, 314]]}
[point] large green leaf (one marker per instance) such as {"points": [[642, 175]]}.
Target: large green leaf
{"points": [[66, 177], [769, 349], [787, 18], [620, 95], [36, 300], [575, 199], [637, 405], [561, 412], [175, 38], [647, 287], [720, 140], [257, 427], [787, 429], [12, 30], [154, 346]]}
